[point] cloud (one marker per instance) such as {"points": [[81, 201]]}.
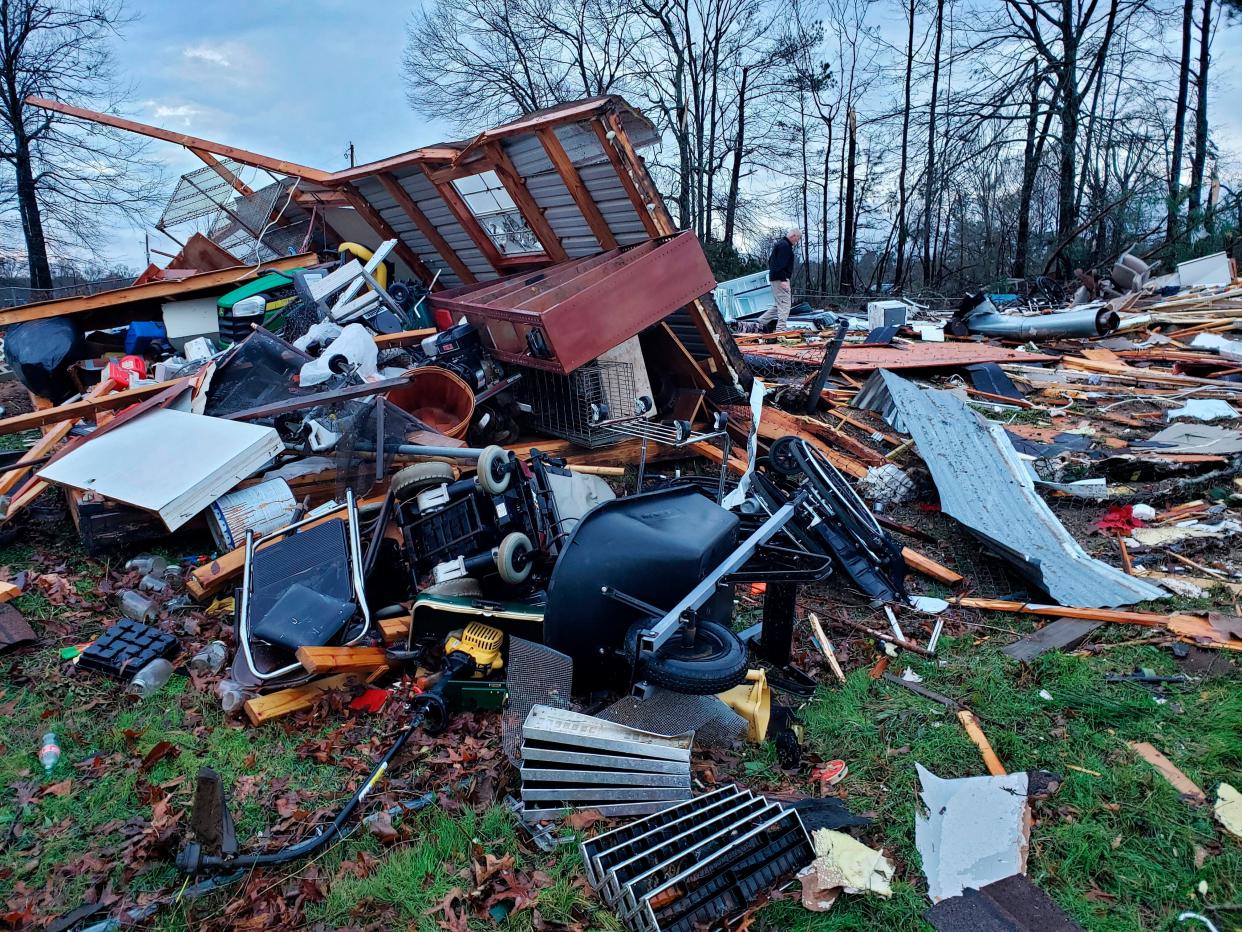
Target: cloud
{"points": [[176, 113], [206, 54]]}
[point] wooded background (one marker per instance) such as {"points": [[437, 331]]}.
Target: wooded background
{"points": [[924, 145]]}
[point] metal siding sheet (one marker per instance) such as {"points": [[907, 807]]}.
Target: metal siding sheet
{"points": [[985, 486], [375, 195]]}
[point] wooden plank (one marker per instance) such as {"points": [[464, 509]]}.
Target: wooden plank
{"points": [[221, 279], [403, 337], [85, 409], [385, 230], [929, 567], [565, 167], [627, 182], [466, 218], [1062, 634], [284, 702], [341, 659], [976, 735], [15, 473], [253, 159], [8, 592], [1166, 768], [426, 227], [775, 423], [515, 184]]}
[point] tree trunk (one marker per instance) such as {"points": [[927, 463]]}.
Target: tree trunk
{"points": [[1067, 174], [1199, 162], [1030, 165], [823, 217], [930, 192], [735, 174], [847, 245], [1179, 121], [806, 208], [32, 221], [899, 270]]}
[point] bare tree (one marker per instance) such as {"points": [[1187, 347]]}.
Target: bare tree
{"points": [[66, 175]]}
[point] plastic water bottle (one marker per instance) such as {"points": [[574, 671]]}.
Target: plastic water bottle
{"points": [[137, 606], [231, 694], [49, 751], [150, 679], [211, 658]]}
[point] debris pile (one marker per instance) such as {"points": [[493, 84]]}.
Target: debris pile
{"points": [[519, 479]]}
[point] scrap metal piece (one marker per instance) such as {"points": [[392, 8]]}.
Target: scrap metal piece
{"points": [[975, 830], [661, 710], [536, 675], [561, 726], [984, 485], [702, 861]]}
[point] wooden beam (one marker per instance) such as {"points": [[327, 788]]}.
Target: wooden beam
{"points": [[577, 188], [341, 659], [385, 230], [426, 227], [515, 184], [183, 139], [152, 291], [473, 229], [929, 567], [295, 699], [623, 174], [86, 408], [218, 167]]}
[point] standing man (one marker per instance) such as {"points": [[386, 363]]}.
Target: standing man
{"points": [[780, 271]]}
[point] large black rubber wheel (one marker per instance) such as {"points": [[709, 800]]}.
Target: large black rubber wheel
{"points": [[716, 661]]}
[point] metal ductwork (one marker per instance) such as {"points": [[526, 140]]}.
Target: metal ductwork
{"points": [[980, 315]]}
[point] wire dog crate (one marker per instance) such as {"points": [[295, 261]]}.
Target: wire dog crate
{"points": [[572, 406]]}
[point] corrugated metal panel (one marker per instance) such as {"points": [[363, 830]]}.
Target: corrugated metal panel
{"points": [[423, 193], [985, 486], [375, 195], [549, 191]]}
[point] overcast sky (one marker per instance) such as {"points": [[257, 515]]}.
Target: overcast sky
{"points": [[301, 79]]}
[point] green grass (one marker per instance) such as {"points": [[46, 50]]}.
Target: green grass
{"points": [[1117, 851]]}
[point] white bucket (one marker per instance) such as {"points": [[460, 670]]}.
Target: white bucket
{"points": [[262, 508]]}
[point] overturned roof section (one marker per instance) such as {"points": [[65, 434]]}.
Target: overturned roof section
{"points": [[985, 486], [555, 185]]}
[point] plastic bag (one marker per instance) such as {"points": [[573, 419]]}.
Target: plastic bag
{"points": [[40, 353], [355, 347]]}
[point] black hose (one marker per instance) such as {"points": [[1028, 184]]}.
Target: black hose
{"points": [[191, 860]]}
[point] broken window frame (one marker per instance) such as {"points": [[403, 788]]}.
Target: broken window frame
{"points": [[504, 224]]}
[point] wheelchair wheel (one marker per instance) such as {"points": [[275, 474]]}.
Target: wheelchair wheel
{"points": [[493, 476], [513, 558], [408, 482]]}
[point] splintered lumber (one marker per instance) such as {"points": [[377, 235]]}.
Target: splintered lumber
{"points": [[1166, 768], [1116, 616], [8, 591], [1062, 634], [1214, 631], [976, 735], [87, 408], [929, 567], [774, 424], [341, 659], [294, 699]]}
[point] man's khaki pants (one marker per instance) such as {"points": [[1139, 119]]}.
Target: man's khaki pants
{"points": [[779, 313]]}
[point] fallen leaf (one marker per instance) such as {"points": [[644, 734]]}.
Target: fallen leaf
{"points": [[158, 752], [583, 819], [380, 825], [61, 789]]}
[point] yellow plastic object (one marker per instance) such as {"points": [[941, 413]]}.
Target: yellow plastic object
{"points": [[480, 641], [753, 701], [363, 255]]}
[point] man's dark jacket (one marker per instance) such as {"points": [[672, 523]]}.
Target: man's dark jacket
{"points": [[781, 262]]}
